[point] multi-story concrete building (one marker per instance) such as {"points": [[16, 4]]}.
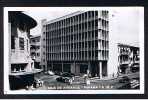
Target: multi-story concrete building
{"points": [[35, 50], [77, 43], [21, 70], [128, 58]]}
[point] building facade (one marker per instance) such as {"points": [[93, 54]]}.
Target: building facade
{"points": [[21, 70], [128, 58], [35, 50], [43, 44], [77, 43]]}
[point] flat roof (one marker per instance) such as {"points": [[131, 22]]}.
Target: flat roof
{"points": [[66, 16], [128, 45]]}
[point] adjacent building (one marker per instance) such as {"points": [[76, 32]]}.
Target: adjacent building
{"points": [[21, 70], [124, 58], [77, 43], [35, 50], [128, 58]]}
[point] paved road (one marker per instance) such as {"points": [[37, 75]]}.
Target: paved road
{"points": [[96, 84]]}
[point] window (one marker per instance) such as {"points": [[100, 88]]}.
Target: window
{"points": [[12, 42], [27, 45], [14, 30], [32, 40], [38, 54], [96, 13], [21, 43]]}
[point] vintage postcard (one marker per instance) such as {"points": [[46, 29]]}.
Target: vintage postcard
{"points": [[74, 50]]}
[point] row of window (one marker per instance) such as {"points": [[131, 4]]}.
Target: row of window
{"points": [[91, 45], [78, 38], [72, 19], [35, 54], [21, 43], [127, 50], [84, 55], [76, 18], [87, 26], [35, 47], [81, 26], [34, 41], [67, 41], [78, 35], [18, 67], [127, 59]]}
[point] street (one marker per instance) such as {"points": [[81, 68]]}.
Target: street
{"points": [[51, 83]]}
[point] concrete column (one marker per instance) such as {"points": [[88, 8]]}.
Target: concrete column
{"points": [[89, 67], [100, 68], [46, 66], [72, 67], [52, 66], [77, 69], [62, 66]]}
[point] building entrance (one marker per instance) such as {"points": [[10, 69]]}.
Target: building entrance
{"points": [[83, 68], [66, 68]]}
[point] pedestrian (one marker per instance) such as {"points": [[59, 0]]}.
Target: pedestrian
{"points": [[27, 87], [113, 75]]}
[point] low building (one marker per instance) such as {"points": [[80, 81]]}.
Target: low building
{"points": [[123, 59], [128, 58], [35, 50], [21, 70]]}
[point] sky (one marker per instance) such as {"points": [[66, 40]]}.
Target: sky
{"points": [[123, 24]]}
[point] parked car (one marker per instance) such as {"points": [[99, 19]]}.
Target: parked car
{"points": [[37, 83], [134, 68], [124, 79], [51, 73], [58, 73], [66, 77]]}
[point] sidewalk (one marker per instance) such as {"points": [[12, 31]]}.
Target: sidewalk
{"points": [[111, 78]]}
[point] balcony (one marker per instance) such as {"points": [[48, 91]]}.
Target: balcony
{"points": [[137, 61], [124, 62], [32, 50], [124, 53]]}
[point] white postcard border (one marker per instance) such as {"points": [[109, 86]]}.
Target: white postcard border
{"points": [[6, 61]]}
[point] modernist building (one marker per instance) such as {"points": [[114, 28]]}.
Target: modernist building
{"points": [[35, 50], [128, 58], [21, 70], [77, 43]]}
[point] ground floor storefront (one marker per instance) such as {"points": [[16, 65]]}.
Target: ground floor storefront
{"points": [[94, 68]]}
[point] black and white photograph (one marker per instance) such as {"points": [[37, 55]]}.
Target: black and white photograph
{"points": [[74, 50]]}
